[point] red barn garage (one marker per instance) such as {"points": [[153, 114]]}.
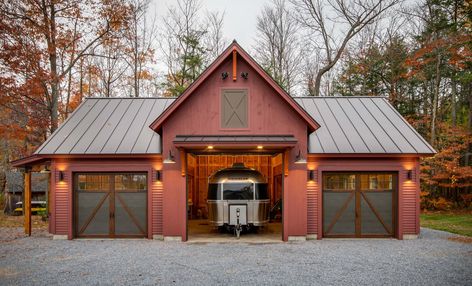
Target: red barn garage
{"points": [[140, 167]]}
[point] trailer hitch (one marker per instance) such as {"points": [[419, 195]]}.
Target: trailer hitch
{"points": [[238, 226]]}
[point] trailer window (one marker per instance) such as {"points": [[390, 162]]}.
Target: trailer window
{"points": [[214, 192], [261, 192], [238, 191]]}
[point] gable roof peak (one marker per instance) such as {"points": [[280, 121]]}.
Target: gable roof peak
{"points": [[234, 46]]}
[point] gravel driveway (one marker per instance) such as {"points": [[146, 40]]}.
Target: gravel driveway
{"points": [[434, 259]]}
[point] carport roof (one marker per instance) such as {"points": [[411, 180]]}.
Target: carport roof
{"points": [[361, 125]]}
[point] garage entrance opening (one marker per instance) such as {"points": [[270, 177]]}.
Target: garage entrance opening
{"points": [[227, 190], [359, 204], [110, 205]]}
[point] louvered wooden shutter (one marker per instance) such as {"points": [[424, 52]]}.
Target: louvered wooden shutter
{"points": [[234, 109]]}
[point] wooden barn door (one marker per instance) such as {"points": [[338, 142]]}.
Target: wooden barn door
{"points": [[110, 205], [359, 204]]}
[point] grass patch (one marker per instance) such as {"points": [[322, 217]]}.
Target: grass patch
{"points": [[455, 222]]}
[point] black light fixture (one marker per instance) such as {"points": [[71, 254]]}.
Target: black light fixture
{"points": [[244, 75], [409, 175], [299, 158], [170, 159], [311, 175], [224, 75], [158, 175], [61, 176]]}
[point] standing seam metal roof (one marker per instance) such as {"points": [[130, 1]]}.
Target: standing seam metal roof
{"points": [[361, 125], [349, 125], [109, 126]]}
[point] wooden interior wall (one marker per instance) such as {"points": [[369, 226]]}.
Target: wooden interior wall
{"points": [[200, 167]]}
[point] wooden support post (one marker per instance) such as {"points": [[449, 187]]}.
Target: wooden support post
{"points": [[48, 195], [286, 162], [183, 162], [235, 57], [27, 201]]}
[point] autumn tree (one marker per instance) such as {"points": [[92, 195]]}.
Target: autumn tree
{"points": [[52, 27], [189, 42], [140, 39], [278, 47], [332, 24]]}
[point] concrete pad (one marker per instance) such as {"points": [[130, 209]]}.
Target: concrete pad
{"points": [[201, 232]]}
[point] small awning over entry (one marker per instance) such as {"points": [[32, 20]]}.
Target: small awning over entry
{"points": [[227, 140]]}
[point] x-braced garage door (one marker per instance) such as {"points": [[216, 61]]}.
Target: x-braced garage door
{"points": [[359, 204], [110, 204]]}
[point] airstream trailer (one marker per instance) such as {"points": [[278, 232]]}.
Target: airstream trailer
{"points": [[238, 198]]}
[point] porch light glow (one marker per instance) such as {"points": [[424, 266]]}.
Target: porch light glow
{"points": [[170, 159], [299, 158], [260, 147], [210, 147]]}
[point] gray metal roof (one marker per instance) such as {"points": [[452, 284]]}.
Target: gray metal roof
{"points": [[109, 126], [349, 125], [360, 125], [234, 138]]}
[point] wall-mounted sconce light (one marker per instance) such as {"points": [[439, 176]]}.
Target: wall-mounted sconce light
{"points": [[409, 175], [158, 175], [61, 176], [311, 175], [45, 170], [224, 75], [170, 159], [244, 75], [299, 158]]}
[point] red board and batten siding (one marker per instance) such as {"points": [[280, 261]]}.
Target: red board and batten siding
{"points": [[157, 198], [200, 114], [62, 195], [408, 190]]}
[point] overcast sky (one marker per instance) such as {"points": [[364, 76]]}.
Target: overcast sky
{"points": [[240, 16]]}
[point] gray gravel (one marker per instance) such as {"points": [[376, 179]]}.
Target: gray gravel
{"points": [[431, 260]]}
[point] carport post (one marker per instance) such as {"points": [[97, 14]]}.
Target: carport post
{"points": [[27, 201]]}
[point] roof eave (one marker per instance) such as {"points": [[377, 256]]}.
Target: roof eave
{"points": [[28, 161], [369, 155]]}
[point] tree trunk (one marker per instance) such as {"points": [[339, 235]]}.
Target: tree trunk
{"points": [[453, 101], [54, 75], [435, 99], [469, 96]]}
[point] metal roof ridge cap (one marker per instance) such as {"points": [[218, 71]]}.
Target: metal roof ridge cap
{"points": [[126, 97], [341, 96]]}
